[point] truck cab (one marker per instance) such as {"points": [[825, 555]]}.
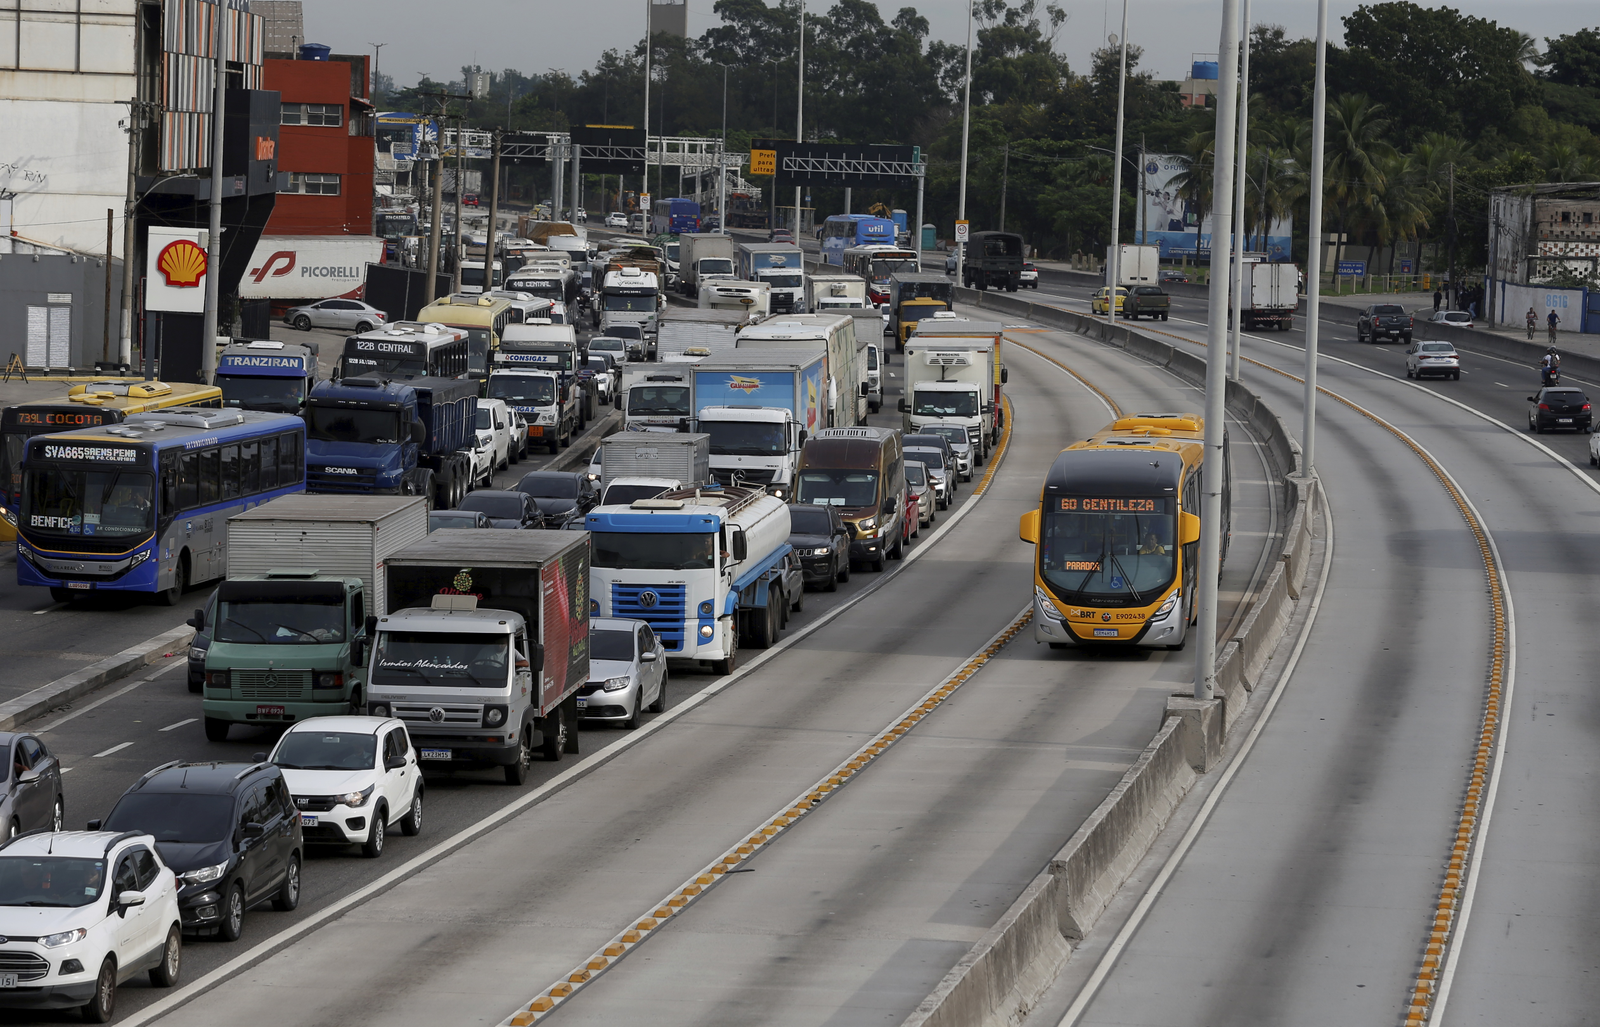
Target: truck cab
{"points": [[266, 375], [913, 297], [546, 403], [286, 645], [658, 402], [369, 435], [753, 445], [630, 295]]}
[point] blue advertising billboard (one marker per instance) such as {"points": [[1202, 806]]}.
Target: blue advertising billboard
{"points": [[1169, 218]]}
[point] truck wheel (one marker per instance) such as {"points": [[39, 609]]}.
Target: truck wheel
{"points": [[423, 486], [555, 735], [566, 440], [216, 730], [554, 445], [764, 622], [517, 773], [441, 488], [727, 666]]}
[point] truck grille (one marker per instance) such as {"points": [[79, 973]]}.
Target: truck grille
{"points": [[272, 684], [665, 616], [321, 481], [747, 475], [26, 965], [454, 714]]}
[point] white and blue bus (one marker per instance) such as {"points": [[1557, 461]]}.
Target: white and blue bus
{"points": [[143, 506], [675, 216], [846, 231]]}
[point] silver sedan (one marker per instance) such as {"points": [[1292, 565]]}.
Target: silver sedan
{"points": [[340, 314], [627, 671]]}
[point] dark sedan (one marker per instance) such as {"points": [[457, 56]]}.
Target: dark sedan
{"points": [[504, 509], [559, 493], [1559, 409], [30, 798], [819, 536]]}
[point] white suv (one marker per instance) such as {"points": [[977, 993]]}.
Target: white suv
{"points": [[69, 937], [494, 419], [352, 778]]}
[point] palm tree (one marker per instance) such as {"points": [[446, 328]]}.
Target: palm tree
{"points": [[1274, 183], [1355, 153], [1400, 210], [1196, 178], [1563, 163]]}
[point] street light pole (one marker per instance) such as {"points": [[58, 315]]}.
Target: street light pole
{"points": [[1319, 117], [1212, 469], [966, 123], [799, 114], [377, 52], [1114, 255], [219, 93], [1236, 277], [722, 162]]}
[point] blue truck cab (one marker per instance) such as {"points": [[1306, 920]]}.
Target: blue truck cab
{"points": [[370, 435], [267, 375]]}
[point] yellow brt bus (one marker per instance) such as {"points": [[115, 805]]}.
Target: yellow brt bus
{"points": [[1117, 535]]}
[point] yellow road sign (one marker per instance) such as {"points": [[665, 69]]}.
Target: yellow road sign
{"points": [[763, 162]]}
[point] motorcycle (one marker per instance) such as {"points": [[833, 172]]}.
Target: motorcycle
{"points": [[1549, 376]]}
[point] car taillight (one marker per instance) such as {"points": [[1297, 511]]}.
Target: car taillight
{"points": [[1585, 406], [1411, 322], [1544, 406]]}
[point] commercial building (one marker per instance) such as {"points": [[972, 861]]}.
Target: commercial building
{"points": [[1544, 253]]}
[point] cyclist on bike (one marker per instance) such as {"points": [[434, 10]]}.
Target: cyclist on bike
{"points": [[1533, 322], [1552, 320]]}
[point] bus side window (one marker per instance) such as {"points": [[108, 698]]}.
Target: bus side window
{"points": [[249, 468], [188, 481], [291, 463], [230, 472], [269, 464], [210, 488]]}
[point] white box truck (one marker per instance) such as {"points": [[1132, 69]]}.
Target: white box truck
{"points": [[1269, 295], [676, 456], [1138, 265], [703, 257], [954, 371], [780, 265], [759, 407], [845, 396], [829, 294]]}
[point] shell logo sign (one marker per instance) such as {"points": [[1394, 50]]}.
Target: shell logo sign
{"points": [[182, 262]]}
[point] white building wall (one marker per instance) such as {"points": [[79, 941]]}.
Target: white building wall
{"points": [[63, 69]]}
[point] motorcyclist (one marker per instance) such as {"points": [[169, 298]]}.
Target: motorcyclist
{"points": [[1550, 366]]}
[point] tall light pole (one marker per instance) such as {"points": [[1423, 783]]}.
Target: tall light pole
{"points": [[1114, 255], [644, 184], [1319, 117], [966, 123], [377, 52], [1236, 276], [722, 162], [799, 114], [219, 94], [1211, 482]]}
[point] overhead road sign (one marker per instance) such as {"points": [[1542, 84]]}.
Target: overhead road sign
{"points": [[610, 149], [843, 164]]}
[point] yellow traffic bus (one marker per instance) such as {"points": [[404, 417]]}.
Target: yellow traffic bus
{"points": [[84, 406], [1117, 535], [483, 317]]}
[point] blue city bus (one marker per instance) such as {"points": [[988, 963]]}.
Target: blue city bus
{"points": [[847, 231], [143, 506], [675, 216]]}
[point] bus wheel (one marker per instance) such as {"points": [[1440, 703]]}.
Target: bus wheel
{"points": [[180, 579], [61, 595]]}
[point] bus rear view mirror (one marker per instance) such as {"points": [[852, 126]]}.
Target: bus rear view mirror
{"points": [[1028, 527], [1188, 528]]}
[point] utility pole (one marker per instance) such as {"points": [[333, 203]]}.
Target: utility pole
{"points": [[219, 93], [1319, 118], [1450, 236], [1139, 215], [494, 217], [105, 327], [577, 182], [799, 114], [456, 237], [647, 28], [966, 124], [436, 215], [1211, 477], [1005, 172], [136, 112], [1236, 278], [377, 52], [1114, 256]]}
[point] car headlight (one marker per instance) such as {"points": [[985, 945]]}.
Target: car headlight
{"points": [[824, 551], [1166, 607], [355, 800], [494, 716], [55, 941], [204, 875], [867, 524], [196, 653], [706, 631], [617, 684]]}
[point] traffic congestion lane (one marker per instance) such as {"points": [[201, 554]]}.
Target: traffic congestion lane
{"points": [[588, 860], [858, 912]]}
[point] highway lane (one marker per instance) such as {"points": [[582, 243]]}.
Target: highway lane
{"points": [[468, 937], [1308, 896]]}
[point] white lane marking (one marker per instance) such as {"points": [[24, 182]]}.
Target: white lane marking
{"points": [[173, 727], [53, 607], [115, 748], [1146, 901], [66, 770], [107, 698], [269, 946], [1503, 385]]}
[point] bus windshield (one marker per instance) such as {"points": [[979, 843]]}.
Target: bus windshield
{"points": [[1107, 548], [882, 269], [651, 552], [278, 395], [340, 424], [523, 389], [851, 489], [86, 501]]}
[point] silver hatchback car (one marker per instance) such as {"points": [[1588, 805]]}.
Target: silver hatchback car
{"points": [[627, 670]]}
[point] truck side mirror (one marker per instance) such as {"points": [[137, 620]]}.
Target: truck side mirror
{"points": [[371, 625], [358, 651], [198, 621], [864, 388], [419, 434], [903, 406], [538, 657], [741, 546], [804, 435], [1005, 375]]}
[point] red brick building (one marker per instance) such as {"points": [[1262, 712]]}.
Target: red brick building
{"points": [[325, 146]]}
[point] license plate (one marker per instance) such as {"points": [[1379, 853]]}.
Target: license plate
{"points": [[270, 711], [434, 754], [1563, 420], [71, 584], [308, 821], [583, 703], [8, 980], [535, 432], [1105, 632]]}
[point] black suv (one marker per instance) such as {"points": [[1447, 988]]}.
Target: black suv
{"points": [[1559, 407], [1383, 321], [228, 830], [819, 536]]}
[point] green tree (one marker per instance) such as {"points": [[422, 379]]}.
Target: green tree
{"points": [[1356, 159]]}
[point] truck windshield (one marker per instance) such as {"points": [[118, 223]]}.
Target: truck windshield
{"points": [[638, 304], [436, 657], [523, 389], [275, 395], [280, 612], [783, 281], [946, 404], [341, 424], [851, 489], [659, 400], [716, 266], [745, 438], [648, 552], [1107, 549], [79, 501], [326, 750], [623, 495]]}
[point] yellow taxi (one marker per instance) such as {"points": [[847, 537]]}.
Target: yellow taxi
{"points": [[1098, 303]]}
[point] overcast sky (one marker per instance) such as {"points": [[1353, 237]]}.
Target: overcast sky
{"points": [[425, 37]]}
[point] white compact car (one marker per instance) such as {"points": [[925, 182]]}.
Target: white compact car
{"points": [[81, 912], [627, 669], [352, 779], [494, 417]]}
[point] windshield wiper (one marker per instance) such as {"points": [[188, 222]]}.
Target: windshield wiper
{"points": [[1127, 578], [1099, 562], [242, 624]]}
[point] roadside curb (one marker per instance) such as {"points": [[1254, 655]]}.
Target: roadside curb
{"points": [[581, 454], [79, 683]]}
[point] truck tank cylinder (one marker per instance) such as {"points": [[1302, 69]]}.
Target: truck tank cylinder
{"points": [[766, 525]]}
